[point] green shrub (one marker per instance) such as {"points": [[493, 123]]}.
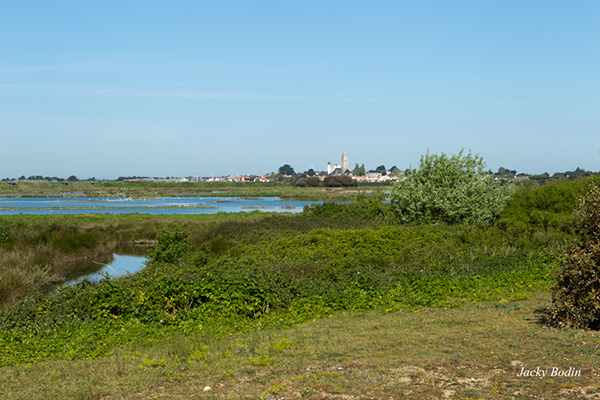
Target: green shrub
{"points": [[453, 189], [171, 246], [340, 181], [550, 207], [576, 294]]}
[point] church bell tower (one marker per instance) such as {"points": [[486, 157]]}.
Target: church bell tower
{"points": [[345, 166]]}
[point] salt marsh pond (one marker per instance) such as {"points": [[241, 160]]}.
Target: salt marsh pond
{"points": [[52, 204]]}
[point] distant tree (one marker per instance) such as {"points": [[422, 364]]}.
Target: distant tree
{"points": [[540, 177], [506, 172], [359, 170], [286, 169], [72, 178], [310, 172], [395, 171], [278, 177], [578, 173], [381, 169]]}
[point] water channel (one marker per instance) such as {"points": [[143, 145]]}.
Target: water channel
{"points": [[115, 265]]}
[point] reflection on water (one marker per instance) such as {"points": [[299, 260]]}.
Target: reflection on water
{"points": [[114, 265], [158, 205]]}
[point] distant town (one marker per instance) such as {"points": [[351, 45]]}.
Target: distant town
{"points": [[333, 175]]}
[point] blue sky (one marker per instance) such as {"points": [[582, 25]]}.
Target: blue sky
{"points": [[182, 88]]}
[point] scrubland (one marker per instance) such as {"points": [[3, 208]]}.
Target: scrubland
{"points": [[341, 301]]}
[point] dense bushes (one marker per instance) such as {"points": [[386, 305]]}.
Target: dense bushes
{"points": [[576, 294], [452, 189], [541, 208], [283, 280], [171, 247], [363, 210], [340, 181], [290, 268], [312, 181]]}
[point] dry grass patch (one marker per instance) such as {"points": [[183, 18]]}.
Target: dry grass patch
{"points": [[474, 351]]}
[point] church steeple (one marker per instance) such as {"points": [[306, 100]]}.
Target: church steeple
{"points": [[345, 166]]}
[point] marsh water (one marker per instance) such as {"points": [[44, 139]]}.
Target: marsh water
{"points": [[115, 265], [130, 261], [160, 205]]}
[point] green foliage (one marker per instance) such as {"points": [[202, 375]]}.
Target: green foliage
{"points": [[289, 278], [313, 181], [544, 208], [340, 181], [453, 189], [576, 294], [359, 170], [286, 169], [235, 273], [171, 247], [363, 210]]}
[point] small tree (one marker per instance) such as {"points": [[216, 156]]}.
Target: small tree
{"points": [[453, 189], [576, 294]]}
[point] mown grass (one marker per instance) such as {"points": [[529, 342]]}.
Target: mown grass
{"points": [[475, 350]]}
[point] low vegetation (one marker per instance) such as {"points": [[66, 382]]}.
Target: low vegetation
{"points": [[228, 301], [35, 250]]}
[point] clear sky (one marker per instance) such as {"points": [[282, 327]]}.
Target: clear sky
{"points": [[184, 88]]}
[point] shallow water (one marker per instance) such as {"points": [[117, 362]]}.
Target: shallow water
{"points": [[115, 266], [159, 205]]}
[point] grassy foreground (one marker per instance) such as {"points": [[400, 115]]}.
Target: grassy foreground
{"points": [[477, 350]]}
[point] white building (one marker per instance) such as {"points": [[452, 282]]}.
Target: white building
{"points": [[332, 167], [343, 167]]}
